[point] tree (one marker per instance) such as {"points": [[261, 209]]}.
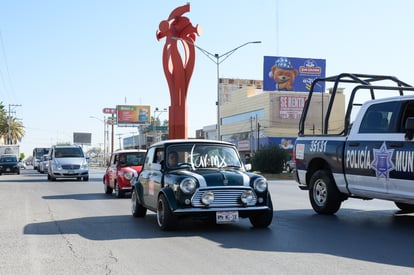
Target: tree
{"points": [[16, 131], [12, 125], [269, 160]]}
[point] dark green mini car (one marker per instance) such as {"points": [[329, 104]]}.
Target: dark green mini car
{"points": [[199, 178]]}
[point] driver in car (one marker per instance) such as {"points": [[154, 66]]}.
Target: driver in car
{"points": [[172, 159]]}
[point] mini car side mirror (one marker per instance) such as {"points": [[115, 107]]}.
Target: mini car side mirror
{"points": [[156, 166], [248, 167]]}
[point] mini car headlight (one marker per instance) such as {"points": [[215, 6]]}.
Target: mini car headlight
{"points": [[260, 185], [128, 175], [188, 185], [247, 197], [207, 198]]}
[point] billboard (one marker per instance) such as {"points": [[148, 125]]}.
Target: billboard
{"points": [[129, 115], [292, 74], [82, 138]]}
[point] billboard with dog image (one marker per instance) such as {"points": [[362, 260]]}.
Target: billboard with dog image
{"points": [[293, 74]]}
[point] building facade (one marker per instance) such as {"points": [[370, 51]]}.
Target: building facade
{"points": [[252, 118]]}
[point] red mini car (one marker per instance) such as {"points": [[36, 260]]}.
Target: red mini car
{"points": [[123, 166]]}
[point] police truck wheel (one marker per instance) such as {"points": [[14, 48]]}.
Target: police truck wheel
{"points": [[324, 196]]}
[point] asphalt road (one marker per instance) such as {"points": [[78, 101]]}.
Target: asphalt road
{"points": [[71, 227]]}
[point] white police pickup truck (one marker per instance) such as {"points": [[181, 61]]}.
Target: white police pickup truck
{"points": [[358, 150]]}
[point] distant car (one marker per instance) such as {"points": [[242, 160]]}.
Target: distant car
{"points": [[9, 164], [290, 166], [123, 166], [67, 162], [203, 179], [43, 164], [22, 165]]}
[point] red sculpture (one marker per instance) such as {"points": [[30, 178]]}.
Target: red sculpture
{"points": [[178, 28]]}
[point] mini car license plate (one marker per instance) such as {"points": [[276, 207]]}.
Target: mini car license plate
{"points": [[227, 216]]}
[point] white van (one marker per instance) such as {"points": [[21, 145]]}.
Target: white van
{"points": [[67, 162]]}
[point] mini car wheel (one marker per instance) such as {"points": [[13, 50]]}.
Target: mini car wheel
{"points": [[165, 218], [405, 206], [108, 190], [137, 209], [263, 219], [118, 191], [323, 193]]}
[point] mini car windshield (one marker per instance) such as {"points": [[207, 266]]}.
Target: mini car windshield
{"points": [[132, 159], [202, 156]]}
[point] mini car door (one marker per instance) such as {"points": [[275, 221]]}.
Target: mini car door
{"points": [[112, 170], [150, 177]]}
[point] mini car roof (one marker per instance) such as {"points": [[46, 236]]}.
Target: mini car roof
{"points": [[173, 141], [129, 151]]}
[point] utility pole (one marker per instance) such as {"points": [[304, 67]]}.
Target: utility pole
{"points": [[9, 120], [258, 136]]}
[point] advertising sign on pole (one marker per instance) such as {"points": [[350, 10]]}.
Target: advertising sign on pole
{"points": [[292, 73], [130, 115], [109, 111]]}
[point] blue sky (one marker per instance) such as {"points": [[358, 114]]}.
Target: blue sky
{"points": [[65, 60]]}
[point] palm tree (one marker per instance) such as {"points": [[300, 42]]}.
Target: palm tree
{"points": [[3, 121], [16, 131], [11, 124]]}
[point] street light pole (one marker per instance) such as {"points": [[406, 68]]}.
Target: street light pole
{"points": [[105, 138], [156, 118], [218, 59]]}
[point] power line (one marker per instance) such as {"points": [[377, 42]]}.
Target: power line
{"points": [[6, 68]]}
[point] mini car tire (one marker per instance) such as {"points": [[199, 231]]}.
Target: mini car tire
{"points": [[404, 206], [118, 191], [108, 190], [263, 219], [324, 196], [165, 218], [137, 209]]}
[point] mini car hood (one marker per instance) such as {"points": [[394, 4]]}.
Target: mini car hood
{"points": [[137, 168], [217, 177]]}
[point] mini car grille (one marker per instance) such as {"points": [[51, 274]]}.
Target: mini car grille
{"points": [[222, 198], [70, 167]]}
